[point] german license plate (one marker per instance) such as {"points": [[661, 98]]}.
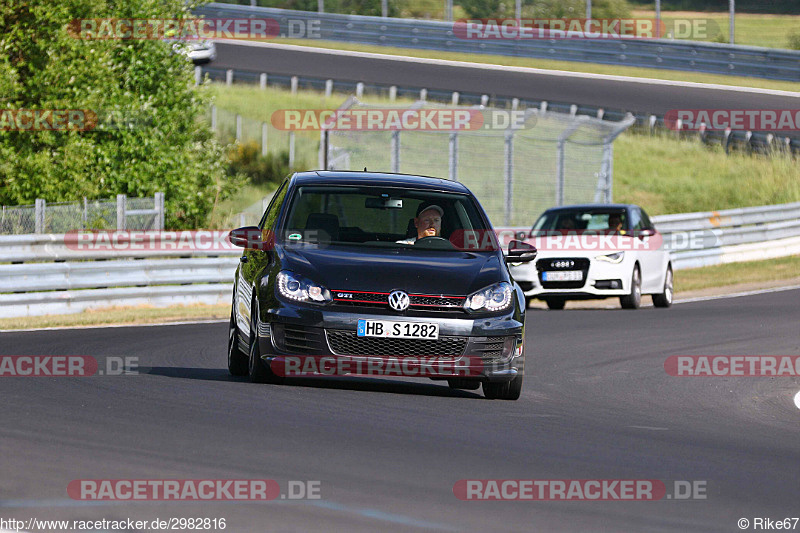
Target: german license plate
{"points": [[563, 275], [397, 330]]}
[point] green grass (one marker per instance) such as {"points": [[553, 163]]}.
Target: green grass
{"points": [[569, 66], [732, 274], [771, 31], [667, 175], [246, 199], [662, 173]]}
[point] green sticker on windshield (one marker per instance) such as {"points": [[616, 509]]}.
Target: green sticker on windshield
{"points": [[295, 237]]}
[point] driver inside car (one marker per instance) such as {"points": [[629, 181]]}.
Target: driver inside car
{"points": [[428, 223]]}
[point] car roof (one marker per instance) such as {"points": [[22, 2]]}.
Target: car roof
{"points": [[385, 179]]}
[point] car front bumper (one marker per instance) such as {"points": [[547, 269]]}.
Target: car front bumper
{"points": [[603, 280], [479, 348]]}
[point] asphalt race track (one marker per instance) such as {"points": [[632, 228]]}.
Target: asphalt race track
{"points": [[610, 94], [597, 404]]}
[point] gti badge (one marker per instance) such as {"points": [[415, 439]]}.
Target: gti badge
{"points": [[399, 300]]}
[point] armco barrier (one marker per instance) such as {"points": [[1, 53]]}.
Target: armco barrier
{"points": [[40, 274], [693, 56]]}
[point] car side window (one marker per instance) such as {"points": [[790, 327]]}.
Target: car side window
{"points": [[268, 220], [646, 223], [636, 219]]}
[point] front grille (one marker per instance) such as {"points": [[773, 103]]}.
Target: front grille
{"points": [[563, 263], [428, 302], [344, 342], [297, 339]]}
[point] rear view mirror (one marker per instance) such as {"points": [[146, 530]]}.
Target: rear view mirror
{"points": [[520, 252], [383, 203]]}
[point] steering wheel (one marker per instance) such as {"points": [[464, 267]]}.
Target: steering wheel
{"points": [[435, 242]]}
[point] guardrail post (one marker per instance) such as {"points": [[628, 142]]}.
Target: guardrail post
{"points": [[360, 90], [393, 93], [514, 104], [395, 151], [727, 142], [41, 206], [423, 94], [484, 100], [324, 136], [560, 149], [455, 98], [652, 122], [573, 110], [238, 128], [601, 113], [543, 106], [262, 80], [264, 130], [294, 85], [121, 216], [198, 75], [328, 88], [159, 206], [508, 172], [229, 76], [453, 160], [85, 217], [291, 149]]}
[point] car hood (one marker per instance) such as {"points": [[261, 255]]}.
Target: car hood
{"points": [[377, 270]]}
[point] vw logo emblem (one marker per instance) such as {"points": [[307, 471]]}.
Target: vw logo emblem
{"points": [[399, 301]]}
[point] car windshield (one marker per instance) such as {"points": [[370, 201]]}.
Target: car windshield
{"points": [[582, 219], [387, 218]]}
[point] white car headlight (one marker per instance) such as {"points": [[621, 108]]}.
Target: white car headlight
{"points": [[493, 298], [301, 289], [611, 258]]}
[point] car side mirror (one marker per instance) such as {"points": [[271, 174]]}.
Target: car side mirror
{"points": [[645, 233], [520, 252], [248, 237]]}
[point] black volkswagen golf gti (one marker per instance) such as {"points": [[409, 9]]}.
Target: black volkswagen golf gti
{"points": [[355, 272]]}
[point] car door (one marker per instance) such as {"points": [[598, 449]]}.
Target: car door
{"points": [[253, 262], [649, 259]]}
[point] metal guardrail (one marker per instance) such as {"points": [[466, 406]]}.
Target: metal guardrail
{"points": [[43, 275], [752, 141], [714, 58]]}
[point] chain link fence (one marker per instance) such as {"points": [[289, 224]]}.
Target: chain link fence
{"points": [[63, 217], [546, 159]]}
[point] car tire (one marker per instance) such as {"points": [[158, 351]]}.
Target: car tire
{"points": [[508, 390], [665, 298], [258, 370], [237, 360], [555, 304], [464, 384], [634, 299]]}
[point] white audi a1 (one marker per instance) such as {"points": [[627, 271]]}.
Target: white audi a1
{"points": [[596, 251]]}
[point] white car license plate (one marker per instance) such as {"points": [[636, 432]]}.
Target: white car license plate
{"points": [[398, 330], [563, 275]]}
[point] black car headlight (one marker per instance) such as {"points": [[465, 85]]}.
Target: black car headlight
{"points": [[497, 297], [301, 289]]}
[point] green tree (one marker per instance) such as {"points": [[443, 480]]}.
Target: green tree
{"points": [[160, 143]]}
